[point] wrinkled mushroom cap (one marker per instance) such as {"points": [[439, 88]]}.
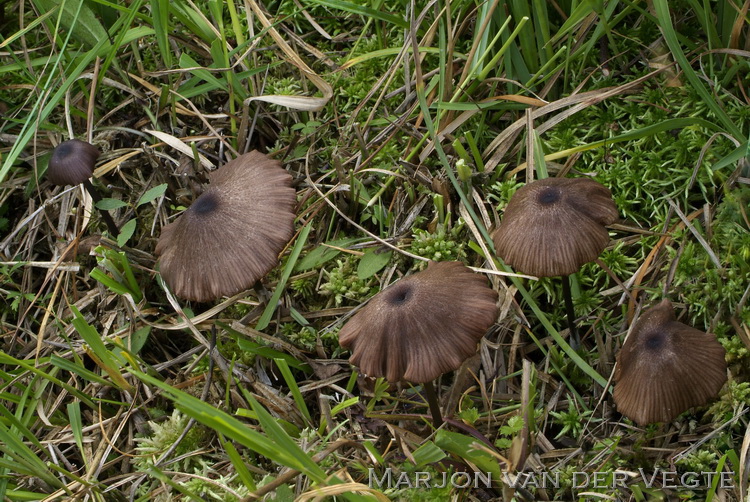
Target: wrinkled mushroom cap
{"points": [[423, 325], [666, 367], [72, 162], [553, 226], [232, 234]]}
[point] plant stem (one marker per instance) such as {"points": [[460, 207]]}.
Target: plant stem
{"points": [[111, 226], [432, 400], [575, 341]]}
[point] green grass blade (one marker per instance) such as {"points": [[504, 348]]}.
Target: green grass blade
{"points": [[106, 359], [76, 425], [665, 125], [274, 431], [265, 318], [367, 12], [294, 389], [78, 370], [667, 28], [239, 464], [263, 350], [160, 22], [6, 359], [274, 444], [77, 18], [24, 460]]}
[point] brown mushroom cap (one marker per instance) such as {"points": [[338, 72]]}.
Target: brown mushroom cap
{"points": [[232, 234], [553, 226], [72, 162], [423, 325], [666, 367]]}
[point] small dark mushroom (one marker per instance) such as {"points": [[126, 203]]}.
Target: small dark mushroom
{"points": [[73, 163], [232, 234], [552, 226], [422, 326], [666, 367]]}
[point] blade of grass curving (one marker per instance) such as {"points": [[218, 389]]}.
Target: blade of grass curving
{"points": [[559, 340], [77, 18], [277, 434], [470, 449], [76, 427], [265, 318], [306, 103], [239, 464], [78, 370], [430, 125], [273, 444], [264, 350], [180, 487], [19, 427], [667, 28], [506, 45], [19, 458], [735, 155], [580, 12], [391, 51], [122, 33], [291, 382], [543, 74], [560, 372], [367, 12], [103, 357], [194, 20], [6, 359], [26, 29], [665, 125]]}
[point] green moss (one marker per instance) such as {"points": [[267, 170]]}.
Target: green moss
{"points": [[164, 434], [344, 284], [442, 245]]}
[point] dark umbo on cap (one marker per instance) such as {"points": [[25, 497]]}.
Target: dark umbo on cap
{"points": [[423, 325], [231, 236], [552, 226], [666, 367], [72, 162]]}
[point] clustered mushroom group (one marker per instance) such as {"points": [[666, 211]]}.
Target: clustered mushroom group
{"points": [[428, 323]]}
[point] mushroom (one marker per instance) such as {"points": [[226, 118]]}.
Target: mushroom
{"points": [[422, 326], [552, 226], [666, 367], [232, 234], [73, 163]]}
